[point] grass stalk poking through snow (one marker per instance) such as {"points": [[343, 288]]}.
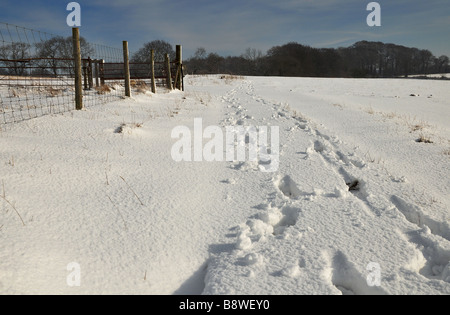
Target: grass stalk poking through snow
{"points": [[3, 196], [132, 190], [124, 223]]}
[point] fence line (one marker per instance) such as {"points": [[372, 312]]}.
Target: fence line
{"points": [[37, 74]]}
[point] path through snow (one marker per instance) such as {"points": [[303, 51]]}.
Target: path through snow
{"points": [[355, 196]]}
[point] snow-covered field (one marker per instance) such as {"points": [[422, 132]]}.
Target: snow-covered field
{"points": [[92, 202], [435, 76]]}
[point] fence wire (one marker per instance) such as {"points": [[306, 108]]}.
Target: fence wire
{"points": [[140, 72], [98, 89], [37, 73]]}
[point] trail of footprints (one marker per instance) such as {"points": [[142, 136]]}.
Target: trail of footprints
{"points": [[278, 217]]}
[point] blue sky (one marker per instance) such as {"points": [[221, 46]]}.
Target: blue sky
{"points": [[228, 27]]}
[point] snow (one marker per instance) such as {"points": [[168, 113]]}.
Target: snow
{"points": [[435, 76], [356, 205]]}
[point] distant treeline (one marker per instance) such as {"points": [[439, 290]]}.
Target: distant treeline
{"points": [[362, 60]]}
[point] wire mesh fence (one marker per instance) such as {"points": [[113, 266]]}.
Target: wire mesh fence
{"points": [[96, 88], [37, 73], [32, 85]]}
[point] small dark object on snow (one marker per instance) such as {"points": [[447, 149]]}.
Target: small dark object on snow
{"points": [[353, 186], [424, 140]]}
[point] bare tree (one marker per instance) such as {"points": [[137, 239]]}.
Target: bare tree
{"points": [[13, 56], [160, 47], [200, 53], [252, 54], [442, 64], [57, 54], [52, 49]]}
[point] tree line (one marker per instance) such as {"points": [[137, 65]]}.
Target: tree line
{"points": [[364, 59]]}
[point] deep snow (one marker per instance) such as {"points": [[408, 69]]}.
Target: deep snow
{"points": [[356, 200]]}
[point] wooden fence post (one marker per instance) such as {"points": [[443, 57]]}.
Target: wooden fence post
{"points": [[97, 73], [169, 73], [177, 75], [126, 69], [85, 75], [102, 72], [182, 78], [77, 59], [152, 64], [90, 74], [179, 78]]}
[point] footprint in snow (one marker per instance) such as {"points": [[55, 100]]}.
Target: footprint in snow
{"points": [[288, 187]]}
